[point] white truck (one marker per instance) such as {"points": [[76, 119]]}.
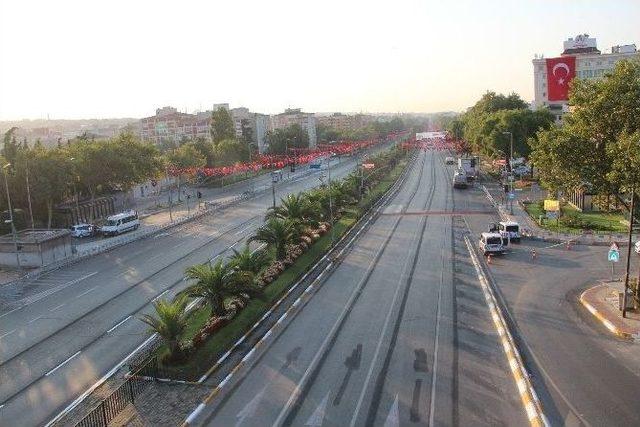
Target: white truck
{"points": [[470, 167]]}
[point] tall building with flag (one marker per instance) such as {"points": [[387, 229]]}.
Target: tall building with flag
{"points": [[579, 59]]}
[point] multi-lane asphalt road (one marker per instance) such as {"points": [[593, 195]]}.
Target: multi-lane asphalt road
{"points": [[398, 333], [56, 344]]}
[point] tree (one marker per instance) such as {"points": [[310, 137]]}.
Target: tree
{"points": [[604, 113], [10, 145], [215, 283], [169, 321], [230, 151], [248, 263], [247, 131], [186, 156], [276, 233], [206, 149], [297, 209], [291, 137], [222, 125]]}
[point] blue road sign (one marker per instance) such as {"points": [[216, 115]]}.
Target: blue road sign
{"points": [[512, 196], [613, 255]]}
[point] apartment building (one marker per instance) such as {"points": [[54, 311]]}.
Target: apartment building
{"points": [[291, 116], [581, 59]]}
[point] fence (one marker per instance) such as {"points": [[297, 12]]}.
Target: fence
{"points": [[110, 407]]}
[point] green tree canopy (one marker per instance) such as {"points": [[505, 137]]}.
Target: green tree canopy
{"points": [[222, 125]]}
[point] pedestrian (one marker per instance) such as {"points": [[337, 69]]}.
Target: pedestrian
{"points": [[533, 255]]}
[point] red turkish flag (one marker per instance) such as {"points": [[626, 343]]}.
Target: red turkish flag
{"points": [[560, 71]]}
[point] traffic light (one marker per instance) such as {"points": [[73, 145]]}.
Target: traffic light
{"points": [[199, 195], [506, 188]]}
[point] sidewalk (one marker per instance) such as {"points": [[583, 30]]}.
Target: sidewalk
{"points": [[530, 228], [602, 301]]}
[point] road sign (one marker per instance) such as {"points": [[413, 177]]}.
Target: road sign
{"points": [[552, 215], [614, 247], [511, 196], [552, 205], [613, 255]]}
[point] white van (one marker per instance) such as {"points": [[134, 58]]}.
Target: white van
{"points": [[491, 243], [511, 229], [120, 223]]}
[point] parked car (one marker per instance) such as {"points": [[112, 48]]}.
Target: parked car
{"points": [[83, 230]]}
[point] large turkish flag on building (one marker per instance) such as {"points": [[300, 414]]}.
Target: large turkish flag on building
{"points": [[560, 71]]}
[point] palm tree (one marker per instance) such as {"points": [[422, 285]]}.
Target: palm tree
{"points": [[277, 233], [248, 260], [215, 283], [248, 263], [296, 208], [169, 321]]}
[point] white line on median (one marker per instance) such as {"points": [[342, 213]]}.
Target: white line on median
{"points": [[61, 365], [119, 323]]}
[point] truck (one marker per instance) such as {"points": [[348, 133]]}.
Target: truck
{"points": [[470, 167]]}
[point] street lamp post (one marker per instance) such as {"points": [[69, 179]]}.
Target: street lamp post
{"points": [[510, 171], [330, 198], [13, 226], [166, 175], [29, 196], [75, 194], [626, 276]]}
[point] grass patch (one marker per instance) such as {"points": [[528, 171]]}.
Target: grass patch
{"points": [[572, 220]]}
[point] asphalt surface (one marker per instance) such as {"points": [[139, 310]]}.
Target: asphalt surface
{"points": [[398, 333], [82, 320]]}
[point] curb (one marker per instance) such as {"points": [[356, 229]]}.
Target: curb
{"points": [[526, 390], [610, 326]]}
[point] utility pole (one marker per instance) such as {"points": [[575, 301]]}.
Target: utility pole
{"points": [[166, 175], [13, 226], [29, 196], [626, 275], [510, 171], [273, 190], [333, 236]]}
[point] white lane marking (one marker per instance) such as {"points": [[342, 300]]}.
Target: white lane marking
{"points": [[159, 296], [7, 333], [57, 307], [243, 230], [393, 419], [250, 408], [232, 246], [9, 312], [86, 292], [61, 365], [118, 324], [434, 376], [316, 419], [387, 319], [37, 318]]}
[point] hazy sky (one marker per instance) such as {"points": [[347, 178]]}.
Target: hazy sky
{"points": [[82, 59]]}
